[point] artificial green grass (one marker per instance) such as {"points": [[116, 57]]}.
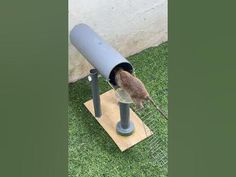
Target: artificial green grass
{"points": [[91, 151]]}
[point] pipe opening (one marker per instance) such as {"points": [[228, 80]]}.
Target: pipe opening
{"points": [[125, 66]]}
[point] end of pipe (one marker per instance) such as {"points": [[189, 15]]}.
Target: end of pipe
{"points": [[125, 66], [75, 30]]}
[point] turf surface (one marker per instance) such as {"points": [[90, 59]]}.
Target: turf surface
{"points": [[91, 151]]}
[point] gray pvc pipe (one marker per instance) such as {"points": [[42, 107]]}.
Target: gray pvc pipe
{"points": [[99, 53], [95, 92]]}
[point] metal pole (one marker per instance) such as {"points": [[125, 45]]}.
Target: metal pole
{"points": [[125, 127], [93, 78]]}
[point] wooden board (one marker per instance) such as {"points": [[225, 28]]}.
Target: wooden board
{"points": [[110, 117]]}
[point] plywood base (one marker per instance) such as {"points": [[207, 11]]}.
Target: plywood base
{"points": [[110, 117]]}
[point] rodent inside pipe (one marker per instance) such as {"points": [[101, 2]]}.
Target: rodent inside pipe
{"points": [[135, 88]]}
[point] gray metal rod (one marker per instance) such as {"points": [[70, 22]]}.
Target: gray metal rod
{"points": [[124, 127], [95, 92], [124, 115]]}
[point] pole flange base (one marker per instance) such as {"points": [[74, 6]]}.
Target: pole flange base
{"points": [[125, 132]]}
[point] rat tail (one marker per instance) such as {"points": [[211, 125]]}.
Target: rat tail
{"points": [[157, 107]]}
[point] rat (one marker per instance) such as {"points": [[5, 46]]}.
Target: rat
{"points": [[135, 88]]}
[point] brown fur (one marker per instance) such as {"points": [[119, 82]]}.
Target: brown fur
{"points": [[135, 88]]}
